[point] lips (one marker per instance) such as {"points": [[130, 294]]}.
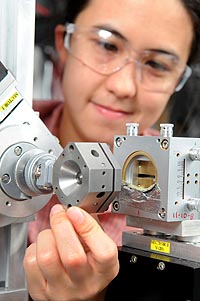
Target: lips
{"points": [[110, 112]]}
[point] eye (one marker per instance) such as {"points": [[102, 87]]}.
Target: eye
{"points": [[108, 46], [157, 65]]}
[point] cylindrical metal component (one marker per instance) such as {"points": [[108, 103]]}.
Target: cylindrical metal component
{"points": [[87, 174], [194, 154], [193, 204], [132, 129], [166, 129]]}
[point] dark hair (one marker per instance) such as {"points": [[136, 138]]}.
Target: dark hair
{"points": [[74, 7], [193, 8]]}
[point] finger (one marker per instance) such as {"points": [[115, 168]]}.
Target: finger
{"points": [[35, 281], [67, 240], [103, 251], [90, 231], [48, 270], [70, 228], [48, 258], [74, 224], [103, 254]]}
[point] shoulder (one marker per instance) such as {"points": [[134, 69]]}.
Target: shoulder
{"points": [[50, 112], [46, 107]]}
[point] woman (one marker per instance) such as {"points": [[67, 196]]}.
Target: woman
{"points": [[121, 63]]}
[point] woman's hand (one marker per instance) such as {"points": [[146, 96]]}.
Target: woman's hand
{"points": [[74, 260]]}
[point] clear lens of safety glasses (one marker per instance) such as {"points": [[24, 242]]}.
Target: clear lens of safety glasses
{"points": [[106, 52]]}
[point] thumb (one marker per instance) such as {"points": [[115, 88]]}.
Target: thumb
{"points": [[83, 222], [90, 230]]}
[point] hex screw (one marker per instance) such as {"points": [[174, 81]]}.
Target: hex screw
{"points": [[133, 259], [161, 266]]}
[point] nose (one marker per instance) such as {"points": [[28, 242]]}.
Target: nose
{"points": [[123, 83]]}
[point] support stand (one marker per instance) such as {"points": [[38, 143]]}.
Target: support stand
{"points": [[146, 276], [13, 241]]}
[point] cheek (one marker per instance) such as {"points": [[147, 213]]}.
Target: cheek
{"points": [[153, 107], [78, 82], [156, 102], [74, 90], [68, 86]]}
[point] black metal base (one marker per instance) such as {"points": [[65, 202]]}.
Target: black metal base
{"points": [[146, 276]]}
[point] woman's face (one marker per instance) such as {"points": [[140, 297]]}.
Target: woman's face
{"points": [[97, 106]]}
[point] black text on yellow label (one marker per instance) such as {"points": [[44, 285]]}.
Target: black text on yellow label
{"points": [[160, 246], [6, 104]]}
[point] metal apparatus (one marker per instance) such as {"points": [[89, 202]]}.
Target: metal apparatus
{"points": [[156, 185], [26, 148], [87, 175], [160, 191], [160, 194], [153, 180], [33, 166]]}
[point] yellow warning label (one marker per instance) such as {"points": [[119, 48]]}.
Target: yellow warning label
{"points": [[160, 246], [6, 104]]}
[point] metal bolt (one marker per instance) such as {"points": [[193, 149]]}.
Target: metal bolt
{"points": [[118, 141], [132, 129], [162, 212], [79, 178], [165, 144], [116, 206], [6, 178], [161, 266], [133, 259], [18, 150], [194, 154], [166, 129]]}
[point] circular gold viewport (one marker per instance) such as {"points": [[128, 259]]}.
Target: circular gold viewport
{"points": [[139, 171]]}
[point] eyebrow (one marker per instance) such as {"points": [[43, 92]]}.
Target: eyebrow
{"points": [[119, 35], [113, 31], [170, 53]]}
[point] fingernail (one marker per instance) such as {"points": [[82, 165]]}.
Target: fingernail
{"points": [[56, 209], [76, 214]]}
